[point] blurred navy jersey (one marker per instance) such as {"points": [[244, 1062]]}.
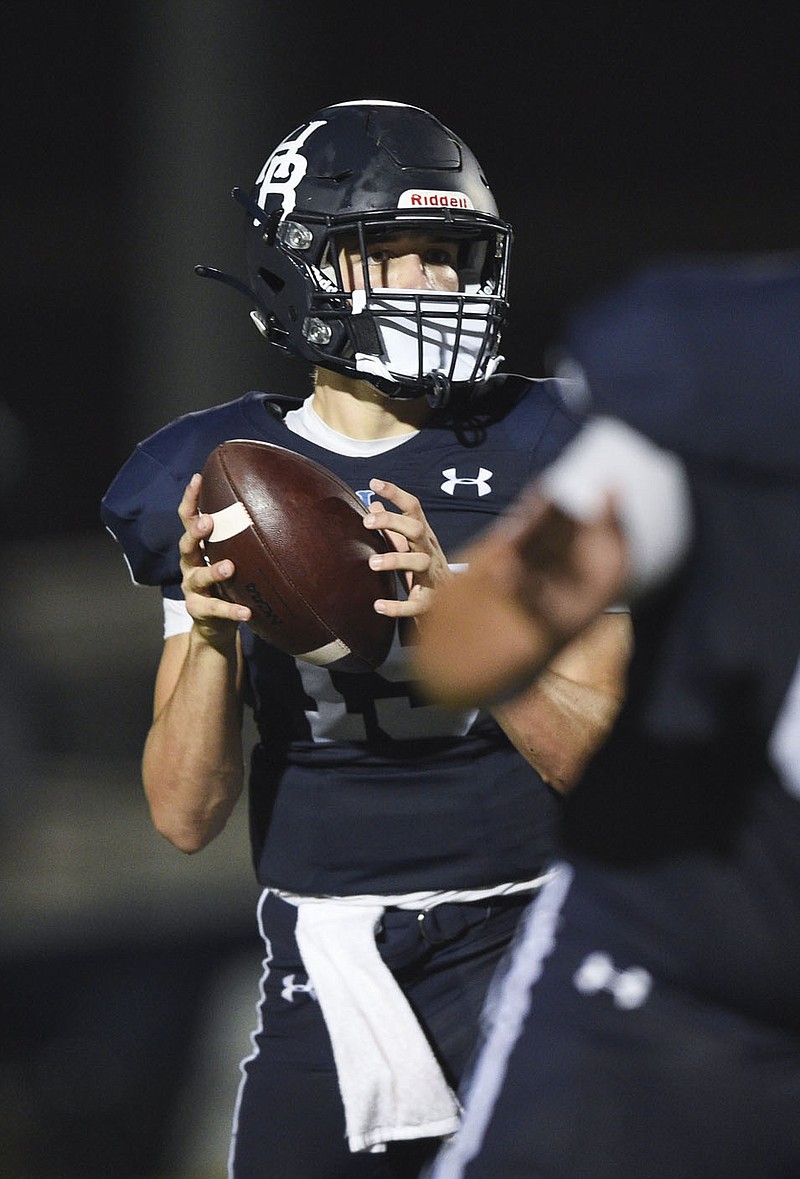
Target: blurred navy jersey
{"points": [[704, 359], [358, 785], [648, 1023]]}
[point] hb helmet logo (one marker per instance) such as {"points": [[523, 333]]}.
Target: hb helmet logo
{"points": [[480, 481], [284, 170]]}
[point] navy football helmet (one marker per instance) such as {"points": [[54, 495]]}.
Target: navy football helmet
{"points": [[357, 172]]}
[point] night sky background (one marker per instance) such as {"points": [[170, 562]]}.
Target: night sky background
{"points": [[611, 134]]}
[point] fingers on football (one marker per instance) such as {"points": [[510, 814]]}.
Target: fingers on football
{"points": [[400, 561], [418, 602], [408, 504], [412, 528], [188, 507], [202, 600]]}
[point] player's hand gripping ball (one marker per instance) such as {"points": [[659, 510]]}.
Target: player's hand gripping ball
{"points": [[294, 532]]}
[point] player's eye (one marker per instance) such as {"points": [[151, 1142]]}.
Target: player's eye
{"points": [[442, 256], [431, 256], [378, 256]]}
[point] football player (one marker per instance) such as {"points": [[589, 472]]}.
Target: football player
{"points": [[396, 842], [649, 1022]]}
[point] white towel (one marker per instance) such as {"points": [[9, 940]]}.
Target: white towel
{"points": [[391, 1084]]}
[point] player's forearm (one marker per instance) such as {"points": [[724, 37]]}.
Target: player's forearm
{"points": [[557, 725], [193, 766]]}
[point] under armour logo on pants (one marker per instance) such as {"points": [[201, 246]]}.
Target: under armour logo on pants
{"points": [[629, 987]]}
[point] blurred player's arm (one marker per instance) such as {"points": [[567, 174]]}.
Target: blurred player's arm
{"points": [[609, 519], [565, 715]]}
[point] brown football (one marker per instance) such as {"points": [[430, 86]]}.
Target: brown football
{"points": [[294, 532]]}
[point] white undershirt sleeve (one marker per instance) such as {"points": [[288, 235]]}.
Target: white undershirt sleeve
{"points": [[177, 619]]}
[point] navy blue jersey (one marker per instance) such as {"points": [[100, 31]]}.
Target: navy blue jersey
{"points": [[701, 356], [705, 360], [648, 1023], [357, 784]]}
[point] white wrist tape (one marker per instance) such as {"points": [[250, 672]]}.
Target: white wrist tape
{"points": [[649, 487]]}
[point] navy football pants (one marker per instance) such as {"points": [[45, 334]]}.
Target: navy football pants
{"points": [[289, 1122], [595, 1068]]}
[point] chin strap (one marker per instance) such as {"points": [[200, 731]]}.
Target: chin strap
{"points": [[438, 394]]}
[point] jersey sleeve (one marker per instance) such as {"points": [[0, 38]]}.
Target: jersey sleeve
{"points": [[140, 510]]}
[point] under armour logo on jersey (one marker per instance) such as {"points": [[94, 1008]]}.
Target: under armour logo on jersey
{"points": [[481, 481], [291, 988], [284, 170], [629, 987]]}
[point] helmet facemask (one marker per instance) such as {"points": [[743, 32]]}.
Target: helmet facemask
{"points": [[405, 342]]}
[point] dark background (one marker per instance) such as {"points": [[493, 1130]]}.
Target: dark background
{"points": [[610, 133]]}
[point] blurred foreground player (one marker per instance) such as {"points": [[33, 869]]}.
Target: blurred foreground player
{"points": [[649, 1022], [397, 843]]}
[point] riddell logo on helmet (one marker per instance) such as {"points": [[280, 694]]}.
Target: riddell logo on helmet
{"points": [[427, 198]]}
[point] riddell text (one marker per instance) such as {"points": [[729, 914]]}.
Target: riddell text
{"points": [[439, 198]]}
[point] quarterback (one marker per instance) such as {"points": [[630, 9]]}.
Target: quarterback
{"points": [[396, 842]]}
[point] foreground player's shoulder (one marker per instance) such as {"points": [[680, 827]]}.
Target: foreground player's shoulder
{"points": [[544, 413], [690, 342]]}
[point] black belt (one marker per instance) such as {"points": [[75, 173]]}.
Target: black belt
{"points": [[442, 923]]}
